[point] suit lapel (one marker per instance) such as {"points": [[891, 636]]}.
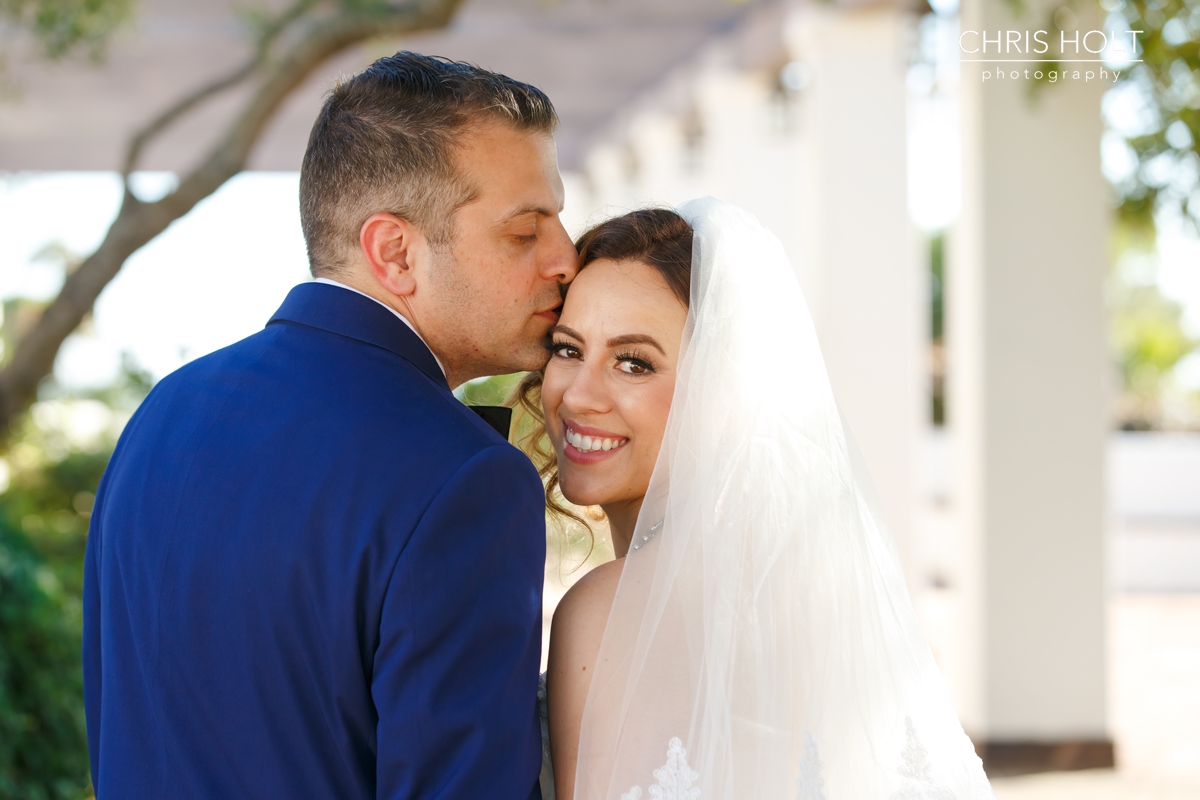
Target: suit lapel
{"points": [[346, 313]]}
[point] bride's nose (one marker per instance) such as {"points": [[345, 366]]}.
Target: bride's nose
{"points": [[588, 392]]}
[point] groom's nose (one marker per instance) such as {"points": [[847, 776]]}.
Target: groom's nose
{"points": [[558, 256]]}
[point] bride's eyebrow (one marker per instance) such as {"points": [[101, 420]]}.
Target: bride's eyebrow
{"points": [[635, 338], [574, 334]]}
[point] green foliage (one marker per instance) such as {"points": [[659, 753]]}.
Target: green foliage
{"points": [[1168, 175], [937, 271], [493, 391], [1166, 81], [43, 739], [43, 535], [1147, 338], [57, 455], [51, 504], [937, 316], [64, 26]]}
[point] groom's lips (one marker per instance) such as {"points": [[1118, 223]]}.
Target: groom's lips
{"points": [[550, 314]]}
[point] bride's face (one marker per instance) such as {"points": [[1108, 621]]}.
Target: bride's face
{"points": [[608, 385]]}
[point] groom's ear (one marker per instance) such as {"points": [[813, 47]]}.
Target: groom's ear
{"points": [[392, 246]]}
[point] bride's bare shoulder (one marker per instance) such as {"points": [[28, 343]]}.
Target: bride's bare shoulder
{"points": [[591, 596], [580, 618], [575, 638]]}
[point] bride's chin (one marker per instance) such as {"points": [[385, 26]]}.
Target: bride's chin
{"points": [[579, 496]]}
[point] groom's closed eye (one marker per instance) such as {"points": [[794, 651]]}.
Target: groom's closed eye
{"points": [[524, 221], [525, 230]]}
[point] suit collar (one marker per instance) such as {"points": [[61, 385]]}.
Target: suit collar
{"points": [[356, 316], [393, 311]]}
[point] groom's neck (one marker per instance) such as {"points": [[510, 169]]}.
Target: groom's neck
{"points": [[373, 290]]}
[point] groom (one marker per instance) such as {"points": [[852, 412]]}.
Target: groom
{"points": [[312, 572]]}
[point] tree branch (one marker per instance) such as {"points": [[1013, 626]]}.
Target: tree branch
{"points": [[321, 37], [175, 112], [269, 31]]}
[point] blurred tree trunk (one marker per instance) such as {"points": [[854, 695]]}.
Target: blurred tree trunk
{"points": [[290, 46]]}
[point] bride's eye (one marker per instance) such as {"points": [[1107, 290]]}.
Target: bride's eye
{"points": [[564, 350], [633, 365]]}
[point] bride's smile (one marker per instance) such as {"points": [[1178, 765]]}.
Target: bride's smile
{"points": [[608, 386], [586, 445]]}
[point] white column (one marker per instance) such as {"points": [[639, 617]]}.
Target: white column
{"points": [[862, 269], [1027, 398]]}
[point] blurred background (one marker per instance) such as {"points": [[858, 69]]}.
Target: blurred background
{"points": [[1003, 266]]}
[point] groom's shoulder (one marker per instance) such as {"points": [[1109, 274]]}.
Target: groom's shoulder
{"points": [[347, 399], [295, 364]]}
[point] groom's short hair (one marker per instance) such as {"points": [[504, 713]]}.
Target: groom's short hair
{"points": [[384, 142]]}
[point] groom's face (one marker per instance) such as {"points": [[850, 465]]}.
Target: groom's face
{"points": [[494, 292]]}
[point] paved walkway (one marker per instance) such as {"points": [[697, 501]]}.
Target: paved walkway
{"points": [[1095, 785], [1154, 701]]}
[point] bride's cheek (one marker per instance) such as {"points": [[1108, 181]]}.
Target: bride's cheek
{"points": [[662, 405]]}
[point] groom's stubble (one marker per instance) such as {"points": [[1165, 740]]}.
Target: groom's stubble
{"points": [[491, 294]]}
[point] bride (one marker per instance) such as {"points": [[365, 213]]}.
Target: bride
{"points": [[753, 637]]}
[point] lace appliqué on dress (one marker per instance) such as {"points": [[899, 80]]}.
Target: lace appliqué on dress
{"points": [[810, 785], [675, 778], [916, 783]]}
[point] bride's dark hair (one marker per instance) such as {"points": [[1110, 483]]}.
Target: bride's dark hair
{"points": [[656, 237]]}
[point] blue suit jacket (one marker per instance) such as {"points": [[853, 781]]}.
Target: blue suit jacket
{"points": [[313, 573]]}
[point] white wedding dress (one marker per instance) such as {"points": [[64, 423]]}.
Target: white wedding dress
{"points": [[762, 644]]}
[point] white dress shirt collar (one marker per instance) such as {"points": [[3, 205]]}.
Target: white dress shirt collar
{"points": [[399, 316]]}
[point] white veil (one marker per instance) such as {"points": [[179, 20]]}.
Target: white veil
{"points": [[762, 644]]}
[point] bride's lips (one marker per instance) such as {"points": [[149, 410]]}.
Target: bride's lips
{"points": [[585, 445]]}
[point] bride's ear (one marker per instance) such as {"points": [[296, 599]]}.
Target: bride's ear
{"points": [[392, 246]]}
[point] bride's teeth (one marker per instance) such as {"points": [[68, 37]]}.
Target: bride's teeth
{"points": [[589, 444]]}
